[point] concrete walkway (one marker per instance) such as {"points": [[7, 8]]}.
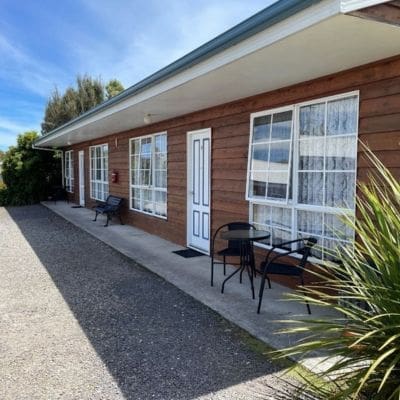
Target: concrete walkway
{"points": [[193, 277], [79, 320]]}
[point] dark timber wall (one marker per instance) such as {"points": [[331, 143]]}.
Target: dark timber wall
{"points": [[379, 127]]}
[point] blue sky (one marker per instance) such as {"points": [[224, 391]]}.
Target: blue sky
{"points": [[46, 43]]}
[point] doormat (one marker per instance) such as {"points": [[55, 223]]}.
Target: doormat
{"points": [[188, 253], [76, 206]]}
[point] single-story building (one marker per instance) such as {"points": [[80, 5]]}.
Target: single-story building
{"points": [[260, 124]]}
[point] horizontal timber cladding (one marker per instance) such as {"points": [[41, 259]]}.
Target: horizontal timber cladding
{"points": [[379, 127]]}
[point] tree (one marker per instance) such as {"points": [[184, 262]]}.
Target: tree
{"points": [[53, 115], [28, 174], [89, 92], [113, 87], [359, 337]]}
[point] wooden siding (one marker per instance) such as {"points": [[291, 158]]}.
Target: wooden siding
{"points": [[388, 13], [379, 127]]}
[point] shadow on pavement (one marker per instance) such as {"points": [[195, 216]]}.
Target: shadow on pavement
{"points": [[156, 341]]}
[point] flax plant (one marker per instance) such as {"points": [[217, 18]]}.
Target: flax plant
{"points": [[361, 344]]}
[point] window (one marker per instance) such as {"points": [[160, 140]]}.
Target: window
{"points": [[99, 172], [302, 170], [69, 171], [148, 174]]}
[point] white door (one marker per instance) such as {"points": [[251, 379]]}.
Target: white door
{"points": [[82, 178], [199, 167]]}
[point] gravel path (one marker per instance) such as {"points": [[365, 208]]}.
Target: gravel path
{"points": [[80, 321]]}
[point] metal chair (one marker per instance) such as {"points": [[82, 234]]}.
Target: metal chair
{"points": [[233, 249], [270, 266]]}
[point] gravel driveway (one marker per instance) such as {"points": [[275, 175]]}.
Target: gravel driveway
{"points": [[80, 321]]}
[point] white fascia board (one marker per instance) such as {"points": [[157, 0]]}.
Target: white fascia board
{"points": [[297, 23], [348, 6]]}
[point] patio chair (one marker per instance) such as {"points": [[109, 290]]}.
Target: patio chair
{"points": [[233, 249], [273, 266]]}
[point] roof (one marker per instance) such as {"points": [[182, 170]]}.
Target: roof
{"points": [[276, 14]]}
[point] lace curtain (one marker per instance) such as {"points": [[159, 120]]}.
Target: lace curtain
{"points": [[324, 175]]}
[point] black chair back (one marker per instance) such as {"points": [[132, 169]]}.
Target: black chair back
{"points": [[305, 250]]}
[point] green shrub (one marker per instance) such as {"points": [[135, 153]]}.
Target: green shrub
{"points": [[3, 196], [363, 342], [28, 174]]}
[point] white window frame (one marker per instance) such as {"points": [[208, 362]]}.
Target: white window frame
{"points": [[292, 203], [253, 116], [151, 187], [103, 182], [69, 171]]}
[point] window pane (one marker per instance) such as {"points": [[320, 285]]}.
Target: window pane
{"points": [[145, 147], [160, 160], [161, 143], [279, 156], [342, 116], [311, 155], [309, 222], [312, 120], [135, 146], [145, 177], [336, 228], [260, 157], [135, 162], [147, 196], [135, 177], [341, 153], [145, 161], [106, 175], [161, 179], [310, 190], [160, 203], [281, 217], [282, 125], [105, 167], [277, 185], [98, 163], [279, 236], [262, 214], [340, 188], [135, 193], [258, 187], [261, 129]]}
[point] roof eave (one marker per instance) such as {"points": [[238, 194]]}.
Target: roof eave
{"points": [[264, 19]]}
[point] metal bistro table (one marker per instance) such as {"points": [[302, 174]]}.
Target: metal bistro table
{"points": [[246, 239]]}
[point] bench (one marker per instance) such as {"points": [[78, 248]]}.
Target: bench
{"points": [[111, 207]]}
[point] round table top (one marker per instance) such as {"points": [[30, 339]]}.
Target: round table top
{"points": [[245, 234]]}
